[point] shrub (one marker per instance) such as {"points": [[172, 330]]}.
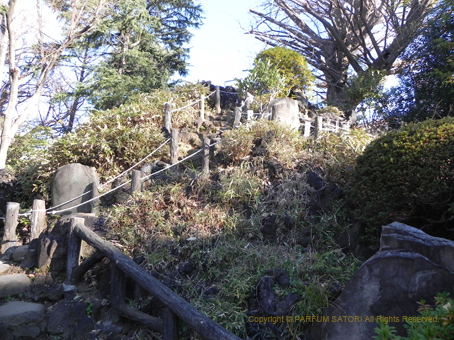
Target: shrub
{"points": [[435, 322], [276, 140], [114, 140], [408, 176], [292, 66]]}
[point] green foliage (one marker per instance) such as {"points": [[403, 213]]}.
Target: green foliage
{"points": [[114, 140], [264, 82], [432, 323], [277, 139], [292, 66], [364, 85], [336, 154], [29, 149], [277, 72], [426, 85], [407, 174], [141, 44], [239, 186], [215, 224]]}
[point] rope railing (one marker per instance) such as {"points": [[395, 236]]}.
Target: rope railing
{"points": [[53, 211], [135, 165], [193, 103]]}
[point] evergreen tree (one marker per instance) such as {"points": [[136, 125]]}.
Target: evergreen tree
{"points": [[426, 83], [143, 44]]}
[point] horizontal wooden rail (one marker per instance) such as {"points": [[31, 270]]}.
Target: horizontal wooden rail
{"points": [[200, 323]]}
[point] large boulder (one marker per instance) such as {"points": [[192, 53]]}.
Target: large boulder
{"points": [[53, 244], [21, 320], [13, 284], [409, 267], [74, 184], [286, 111]]}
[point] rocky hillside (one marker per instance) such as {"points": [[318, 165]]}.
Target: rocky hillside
{"points": [[266, 233]]}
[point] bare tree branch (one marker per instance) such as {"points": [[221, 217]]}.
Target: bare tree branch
{"points": [[337, 36]]}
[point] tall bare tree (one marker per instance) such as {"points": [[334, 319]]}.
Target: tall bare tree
{"points": [[30, 63], [343, 37]]}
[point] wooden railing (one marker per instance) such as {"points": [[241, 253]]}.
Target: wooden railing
{"points": [[122, 266]]}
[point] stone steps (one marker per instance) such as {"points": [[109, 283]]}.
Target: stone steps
{"points": [[37, 306], [18, 318], [22, 319]]}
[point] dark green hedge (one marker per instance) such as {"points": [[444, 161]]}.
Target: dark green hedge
{"points": [[407, 175]]}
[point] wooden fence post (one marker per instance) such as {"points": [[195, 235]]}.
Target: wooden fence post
{"points": [[37, 219], [307, 128], [236, 121], [202, 108], [318, 126], [74, 246], [206, 157], [174, 146], [117, 286], [168, 116], [345, 126], [218, 100], [250, 115], [136, 181], [170, 326], [9, 235]]}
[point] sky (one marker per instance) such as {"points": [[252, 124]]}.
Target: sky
{"points": [[220, 51]]}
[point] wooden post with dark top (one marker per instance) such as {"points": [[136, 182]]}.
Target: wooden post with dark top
{"points": [[117, 286], [237, 119], [136, 181], [170, 329], [11, 222], [307, 128], [202, 108], [218, 100], [174, 146], [168, 116], [37, 219], [318, 126], [74, 246], [206, 157]]}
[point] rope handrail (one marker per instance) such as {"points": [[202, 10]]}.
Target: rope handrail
{"points": [[51, 210], [132, 167], [127, 182], [193, 103], [56, 212]]}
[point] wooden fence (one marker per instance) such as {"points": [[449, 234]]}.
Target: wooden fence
{"points": [[121, 265]]}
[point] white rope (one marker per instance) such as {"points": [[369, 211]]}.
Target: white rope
{"points": [[140, 162], [181, 161], [122, 174], [72, 199], [56, 212], [191, 104]]}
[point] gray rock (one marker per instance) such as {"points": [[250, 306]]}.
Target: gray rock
{"points": [[31, 258], [4, 267], [69, 318], [53, 245], [410, 266], [26, 331], [73, 180], [17, 313], [19, 253], [13, 284], [286, 111], [401, 236]]}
